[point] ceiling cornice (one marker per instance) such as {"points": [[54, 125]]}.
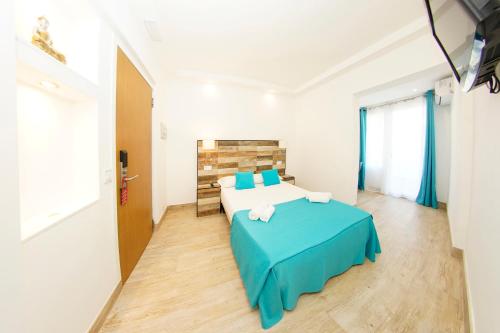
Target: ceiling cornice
{"points": [[235, 80], [371, 50], [367, 52]]}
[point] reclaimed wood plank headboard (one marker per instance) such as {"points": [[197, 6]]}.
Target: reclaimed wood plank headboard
{"points": [[230, 156]]}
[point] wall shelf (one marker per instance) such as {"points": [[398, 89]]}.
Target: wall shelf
{"points": [[34, 226], [34, 66], [58, 140]]}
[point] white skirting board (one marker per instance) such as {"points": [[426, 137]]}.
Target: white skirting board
{"points": [[106, 308], [469, 302]]}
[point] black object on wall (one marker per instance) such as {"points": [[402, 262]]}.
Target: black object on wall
{"points": [[468, 33]]}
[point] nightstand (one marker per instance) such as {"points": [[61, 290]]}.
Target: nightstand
{"points": [[208, 199], [288, 179]]}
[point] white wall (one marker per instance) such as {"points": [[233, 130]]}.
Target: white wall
{"points": [[159, 148], [442, 123], [131, 36], [10, 244], [195, 111], [483, 231], [70, 269], [474, 201], [462, 145], [328, 117]]}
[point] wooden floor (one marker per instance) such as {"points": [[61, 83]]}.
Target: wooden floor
{"points": [[187, 280]]}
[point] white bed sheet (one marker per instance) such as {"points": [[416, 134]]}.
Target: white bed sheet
{"points": [[234, 200]]}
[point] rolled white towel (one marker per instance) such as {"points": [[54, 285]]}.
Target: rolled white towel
{"points": [[267, 213], [323, 197], [255, 213]]}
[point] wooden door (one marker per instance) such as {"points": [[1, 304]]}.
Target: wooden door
{"points": [[133, 134]]}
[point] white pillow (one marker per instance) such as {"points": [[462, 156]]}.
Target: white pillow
{"points": [[257, 178], [228, 181]]}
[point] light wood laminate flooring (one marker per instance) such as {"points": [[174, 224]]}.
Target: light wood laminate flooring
{"points": [[188, 281]]}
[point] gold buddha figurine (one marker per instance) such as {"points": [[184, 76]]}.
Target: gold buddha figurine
{"points": [[41, 39]]}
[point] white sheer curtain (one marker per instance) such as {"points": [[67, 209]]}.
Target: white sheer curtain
{"points": [[395, 139]]}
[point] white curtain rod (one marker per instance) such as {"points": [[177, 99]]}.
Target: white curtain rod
{"points": [[394, 101]]}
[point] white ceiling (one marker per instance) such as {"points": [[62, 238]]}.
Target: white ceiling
{"points": [[281, 42]]}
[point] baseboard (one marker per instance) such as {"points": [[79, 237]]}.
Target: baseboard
{"points": [[190, 204], [469, 315], [457, 253], [99, 321], [157, 226]]}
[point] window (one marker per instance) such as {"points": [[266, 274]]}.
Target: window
{"points": [[395, 139]]}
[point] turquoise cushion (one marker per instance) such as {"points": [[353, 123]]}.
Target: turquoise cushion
{"points": [[271, 177], [244, 180]]}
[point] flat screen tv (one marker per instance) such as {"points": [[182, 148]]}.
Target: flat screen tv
{"points": [[468, 33]]}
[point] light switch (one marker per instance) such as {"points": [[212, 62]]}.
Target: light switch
{"points": [[108, 176], [163, 131], [207, 167]]}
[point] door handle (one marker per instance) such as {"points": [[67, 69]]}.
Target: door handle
{"points": [[127, 179]]}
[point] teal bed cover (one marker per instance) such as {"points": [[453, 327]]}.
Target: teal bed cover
{"points": [[298, 250]]}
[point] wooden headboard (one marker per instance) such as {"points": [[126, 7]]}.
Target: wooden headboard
{"points": [[231, 156]]}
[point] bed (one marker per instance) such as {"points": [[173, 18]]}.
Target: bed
{"points": [[298, 250]]}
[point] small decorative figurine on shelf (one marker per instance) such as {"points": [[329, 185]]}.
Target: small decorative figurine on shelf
{"points": [[41, 39]]}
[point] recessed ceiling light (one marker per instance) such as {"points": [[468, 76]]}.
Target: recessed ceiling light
{"points": [[270, 98], [210, 89], [415, 89], [48, 84]]}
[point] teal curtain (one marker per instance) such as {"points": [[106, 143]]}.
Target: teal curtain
{"points": [[427, 194], [362, 148]]}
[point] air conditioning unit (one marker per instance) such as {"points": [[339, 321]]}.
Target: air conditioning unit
{"points": [[444, 91]]}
